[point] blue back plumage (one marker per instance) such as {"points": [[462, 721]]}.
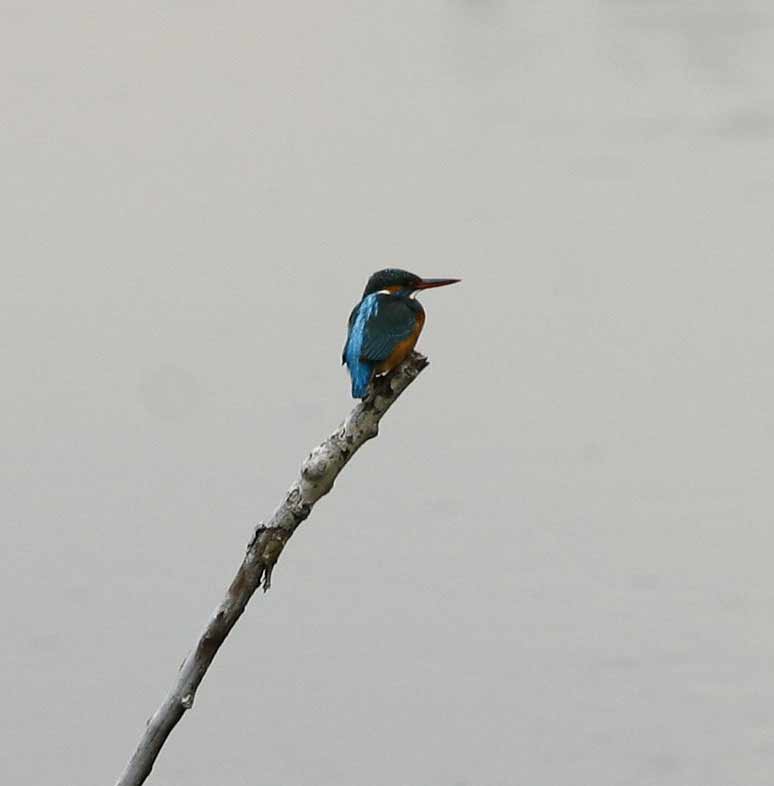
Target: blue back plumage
{"points": [[360, 370]]}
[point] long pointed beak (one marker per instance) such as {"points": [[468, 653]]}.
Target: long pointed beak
{"points": [[430, 283]]}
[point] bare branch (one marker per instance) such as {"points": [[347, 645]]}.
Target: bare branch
{"points": [[318, 473]]}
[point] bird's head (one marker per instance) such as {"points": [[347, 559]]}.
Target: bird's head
{"points": [[398, 281]]}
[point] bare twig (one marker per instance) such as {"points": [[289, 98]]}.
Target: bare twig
{"points": [[318, 473]]}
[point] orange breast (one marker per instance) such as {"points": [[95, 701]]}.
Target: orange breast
{"points": [[402, 349]]}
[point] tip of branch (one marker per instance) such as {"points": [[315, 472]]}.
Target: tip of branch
{"points": [[393, 384], [421, 361]]}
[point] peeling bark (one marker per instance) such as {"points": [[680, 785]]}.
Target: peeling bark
{"points": [[317, 476]]}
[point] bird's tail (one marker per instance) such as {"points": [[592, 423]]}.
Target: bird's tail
{"points": [[361, 376]]}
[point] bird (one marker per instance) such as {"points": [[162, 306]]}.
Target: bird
{"points": [[385, 325]]}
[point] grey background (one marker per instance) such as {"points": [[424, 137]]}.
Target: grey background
{"points": [[554, 566]]}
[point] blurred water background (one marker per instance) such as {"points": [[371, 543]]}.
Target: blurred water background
{"points": [[555, 564]]}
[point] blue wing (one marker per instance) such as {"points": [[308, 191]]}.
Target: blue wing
{"points": [[360, 369], [394, 322], [376, 326]]}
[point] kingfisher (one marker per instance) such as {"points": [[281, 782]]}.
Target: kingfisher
{"points": [[385, 325]]}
